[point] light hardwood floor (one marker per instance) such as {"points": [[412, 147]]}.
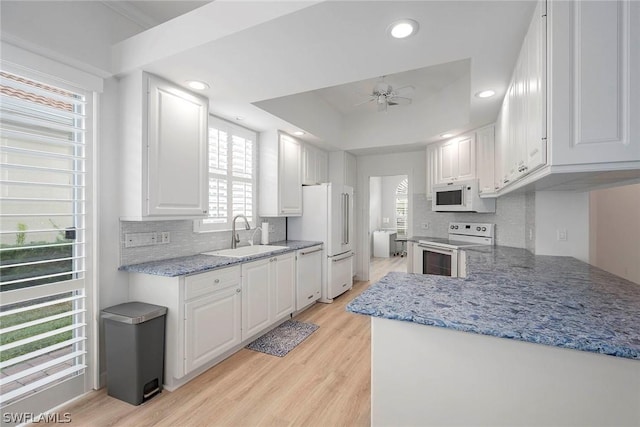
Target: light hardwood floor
{"points": [[325, 381]]}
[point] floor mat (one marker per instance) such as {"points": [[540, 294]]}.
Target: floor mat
{"points": [[284, 338]]}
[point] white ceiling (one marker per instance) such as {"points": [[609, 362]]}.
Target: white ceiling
{"points": [[148, 14], [299, 64]]}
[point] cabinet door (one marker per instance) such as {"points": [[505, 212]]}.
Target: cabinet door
{"points": [[595, 83], [177, 132], [283, 286], [485, 159], [432, 169], [212, 326], [448, 161], [519, 146], [308, 276], [498, 144], [322, 166], [309, 165], [289, 171], [256, 298], [535, 151], [466, 162]]}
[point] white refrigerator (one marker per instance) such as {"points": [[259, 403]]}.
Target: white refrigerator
{"points": [[327, 216]]}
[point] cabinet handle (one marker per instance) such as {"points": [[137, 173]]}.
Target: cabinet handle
{"points": [[205, 211], [310, 296], [311, 252], [238, 290], [216, 281], [505, 180]]}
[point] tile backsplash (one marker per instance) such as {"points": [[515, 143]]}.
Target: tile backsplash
{"points": [[510, 219], [184, 242]]}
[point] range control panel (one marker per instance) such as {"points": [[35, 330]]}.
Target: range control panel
{"points": [[471, 229]]}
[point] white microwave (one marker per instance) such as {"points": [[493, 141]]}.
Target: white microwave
{"points": [[461, 196]]}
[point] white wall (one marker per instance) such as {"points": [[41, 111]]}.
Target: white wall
{"points": [[615, 231], [375, 206], [557, 211], [388, 203], [411, 164], [84, 43]]}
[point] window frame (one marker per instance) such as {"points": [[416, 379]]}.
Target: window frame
{"points": [[200, 226]]}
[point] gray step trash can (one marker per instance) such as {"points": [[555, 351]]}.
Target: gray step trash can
{"points": [[134, 341]]}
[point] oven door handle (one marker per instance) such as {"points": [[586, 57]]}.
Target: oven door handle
{"points": [[443, 251]]}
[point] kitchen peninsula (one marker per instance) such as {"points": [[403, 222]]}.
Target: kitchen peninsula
{"points": [[440, 357]]}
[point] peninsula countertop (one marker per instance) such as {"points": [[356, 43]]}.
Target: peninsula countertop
{"points": [[511, 293], [194, 264]]}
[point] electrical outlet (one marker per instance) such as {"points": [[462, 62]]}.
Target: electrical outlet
{"points": [[165, 237], [562, 234], [385, 220], [425, 225], [133, 240]]}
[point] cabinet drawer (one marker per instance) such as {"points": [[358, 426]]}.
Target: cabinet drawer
{"points": [[202, 284]]}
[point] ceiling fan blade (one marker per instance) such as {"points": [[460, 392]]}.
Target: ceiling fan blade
{"points": [[404, 90], [364, 102], [400, 100]]}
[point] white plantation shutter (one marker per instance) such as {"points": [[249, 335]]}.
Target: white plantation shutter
{"points": [[232, 161], [43, 237], [402, 207]]}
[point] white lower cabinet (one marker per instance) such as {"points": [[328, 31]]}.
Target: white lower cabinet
{"points": [[255, 296], [203, 317], [211, 314], [308, 276], [268, 290], [212, 326]]}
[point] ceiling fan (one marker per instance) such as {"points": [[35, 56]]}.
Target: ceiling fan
{"points": [[384, 95]]}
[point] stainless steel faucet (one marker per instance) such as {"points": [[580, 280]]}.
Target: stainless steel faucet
{"points": [[235, 237]]}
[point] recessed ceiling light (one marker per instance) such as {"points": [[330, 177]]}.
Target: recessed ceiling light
{"points": [[446, 135], [298, 133], [485, 93], [403, 28], [197, 85]]}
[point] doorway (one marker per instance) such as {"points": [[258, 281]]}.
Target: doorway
{"points": [[388, 222]]}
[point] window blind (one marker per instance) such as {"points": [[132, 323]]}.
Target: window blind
{"points": [[232, 177], [42, 235]]}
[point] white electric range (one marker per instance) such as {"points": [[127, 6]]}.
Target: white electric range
{"points": [[446, 256]]}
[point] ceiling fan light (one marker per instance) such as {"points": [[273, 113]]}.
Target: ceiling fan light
{"points": [[403, 28]]}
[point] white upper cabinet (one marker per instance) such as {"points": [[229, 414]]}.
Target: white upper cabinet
{"points": [[569, 119], [343, 169], [485, 160], [280, 175], [164, 149], [594, 85], [521, 125], [315, 164], [432, 168], [457, 159]]}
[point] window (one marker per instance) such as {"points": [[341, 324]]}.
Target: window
{"points": [[43, 237], [232, 175], [402, 206]]}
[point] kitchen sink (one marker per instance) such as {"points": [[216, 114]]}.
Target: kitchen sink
{"points": [[245, 251]]}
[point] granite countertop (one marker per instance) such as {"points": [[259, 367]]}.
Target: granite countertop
{"points": [[194, 264], [511, 293]]}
